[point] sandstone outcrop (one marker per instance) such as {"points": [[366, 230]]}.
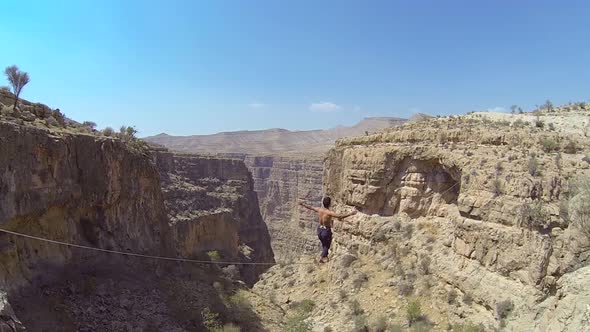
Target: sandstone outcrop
{"points": [[473, 218]]}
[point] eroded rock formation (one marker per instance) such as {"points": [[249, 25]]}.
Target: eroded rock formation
{"points": [[96, 191], [473, 219]]}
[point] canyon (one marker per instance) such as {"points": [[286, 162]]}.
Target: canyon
{"points": [[477, 222], [286, 166]]}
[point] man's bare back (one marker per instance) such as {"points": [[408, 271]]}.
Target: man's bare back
{"points": [[326, 222]]}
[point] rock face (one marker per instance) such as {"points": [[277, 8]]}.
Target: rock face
{"points": [[211, 205], [280, 182], [474, 219], [98, 192]]}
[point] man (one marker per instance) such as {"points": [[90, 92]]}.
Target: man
{"points": [[325, 228]]}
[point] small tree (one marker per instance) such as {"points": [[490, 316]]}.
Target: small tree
{"points": [[548, 106], [513, 109], [17, 79]]}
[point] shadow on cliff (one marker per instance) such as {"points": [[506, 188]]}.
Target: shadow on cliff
{"points": [[119, 294]]}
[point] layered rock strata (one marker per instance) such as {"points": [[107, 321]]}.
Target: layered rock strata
{"points": [[101, 192]]}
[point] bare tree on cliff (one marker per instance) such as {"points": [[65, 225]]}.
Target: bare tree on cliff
{"points": [[17, 79]]}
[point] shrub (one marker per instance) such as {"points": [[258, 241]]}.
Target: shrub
{"points": [[534, 216], [580, 205], [451, 296], [467, 299], [586, 159], [89, 124], [210, 319], [504, 308], [413, 311], [533, 166], [549, 144], [425, 264], [239, 301], [298, 323], [306, 306], [4, 88], [551, 127], [59, 117], [360, 280], [570, 147], [395, 328], [468, 327], [214, 255], [108, 131], [229, 328], [380, 324], [51, 121], [360, 324], [408, 231], [405, 288], [519, 123], [498, 187], [355, 307]]}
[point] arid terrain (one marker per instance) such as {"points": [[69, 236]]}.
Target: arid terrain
{"points": [[476, 222]]}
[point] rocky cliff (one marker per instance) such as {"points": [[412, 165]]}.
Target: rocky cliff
{"points": [[103, 192], [280, 183], [211, 205], [480, 221]]}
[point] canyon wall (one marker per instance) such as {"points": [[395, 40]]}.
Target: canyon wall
{"points": [[482, 223], [281, 182], [96, 191], [212, 205], [492, 207]]}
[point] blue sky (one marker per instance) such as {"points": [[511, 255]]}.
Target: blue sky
{"points": [[198, 67]]}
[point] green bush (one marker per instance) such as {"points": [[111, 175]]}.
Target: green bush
{"points": [[210, 319], [360, 324], [549, 144], [108, 131], [579, 206], [534, 216], [89, 124], [533, 166], [570, 147], [379, 325], [298, 323], [468, 327], [214, 255], [413, 311], [356, 308]]}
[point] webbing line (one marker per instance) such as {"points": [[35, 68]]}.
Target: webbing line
{"points": [[140, 255]]}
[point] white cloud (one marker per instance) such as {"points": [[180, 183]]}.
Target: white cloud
{"points": [[325, 106], [497, 109], [257, 105]]}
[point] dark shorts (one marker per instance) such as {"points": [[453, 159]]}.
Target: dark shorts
{"points": [[325, 236]]}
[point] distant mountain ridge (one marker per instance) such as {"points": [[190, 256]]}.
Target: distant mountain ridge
{"points": [[272, 141]]}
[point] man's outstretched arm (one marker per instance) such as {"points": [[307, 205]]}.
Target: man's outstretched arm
{"points": [[308, 207], [342, 216]]}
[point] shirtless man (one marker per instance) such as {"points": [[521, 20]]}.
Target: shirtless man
{"points": [[325, 228]]}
